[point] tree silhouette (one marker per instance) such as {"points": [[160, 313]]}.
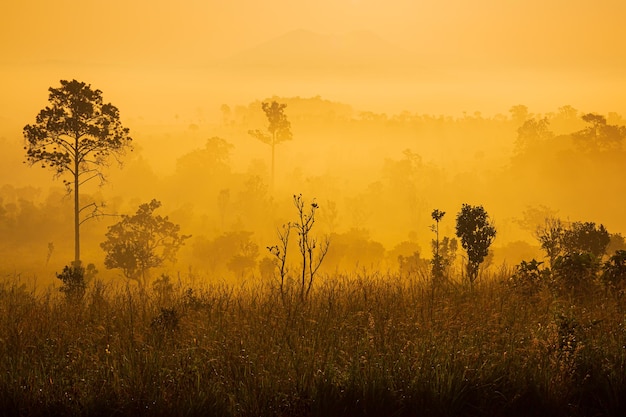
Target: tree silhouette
{"points": [[142, 241], [75, 279], [559, 239], [75, 135], [550, 237], [614, 269], [519, 114], [278, 130], [212, 160], [307, 244], [312, 253], [476, 232], [586, 237], [437, 267], [599, 135], [531, 134]]}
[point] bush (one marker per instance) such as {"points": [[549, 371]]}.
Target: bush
{"points": [[528, 277], [575, 270], [614, 269], [75, 279], [166, 321]]}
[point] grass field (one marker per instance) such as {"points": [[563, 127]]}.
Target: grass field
{"points": [[366, 344]]}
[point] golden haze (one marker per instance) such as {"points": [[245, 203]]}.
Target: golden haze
{"points": [[364, 79]]}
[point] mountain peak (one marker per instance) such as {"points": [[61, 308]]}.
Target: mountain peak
{"points": [[303, 50]]}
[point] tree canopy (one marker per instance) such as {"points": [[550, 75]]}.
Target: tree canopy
{"points": [[75, 135], [476, 232], [599, 135], [142, 241], [278, 129]]}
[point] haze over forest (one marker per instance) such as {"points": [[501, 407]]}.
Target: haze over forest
{"points": [[395, 109]]}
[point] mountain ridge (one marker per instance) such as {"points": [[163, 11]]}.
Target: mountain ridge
{"points": [[302, 50]]}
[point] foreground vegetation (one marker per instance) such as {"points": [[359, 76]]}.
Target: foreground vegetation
{"points": [[359, 345]]}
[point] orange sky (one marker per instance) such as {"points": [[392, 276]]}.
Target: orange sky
{"points": [[554, 52], [568, 32], [163, 63]]}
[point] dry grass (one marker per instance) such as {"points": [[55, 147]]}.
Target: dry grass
{"points": [[361, 345]]}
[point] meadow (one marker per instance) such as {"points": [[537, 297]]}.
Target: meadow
{"points": [[367, 343], [145, 221]]}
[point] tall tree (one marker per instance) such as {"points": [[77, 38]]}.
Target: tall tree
{"points": [[598, 135], [75, 135], [278, 130], [476, 232]]}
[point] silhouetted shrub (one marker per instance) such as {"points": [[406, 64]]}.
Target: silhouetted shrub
{"points": [[267, 267], [529, 277], [586, 237], [476, 231], [75, 278], [413, 265], [166, 321], [614, 269], [568, 334], [575, 270], [163, 288]]}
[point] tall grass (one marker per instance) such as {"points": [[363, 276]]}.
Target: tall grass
{"points": [[367, 344]]}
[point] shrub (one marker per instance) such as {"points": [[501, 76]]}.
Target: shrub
{"points": [[529, 277], [75, 278], [166, 321], [575, 270], [614, 269]]}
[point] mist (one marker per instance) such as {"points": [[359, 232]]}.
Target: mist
{"points": [[340, 207], [375, 175]]}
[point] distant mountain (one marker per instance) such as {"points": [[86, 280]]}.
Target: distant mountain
{"points": [[305, 51]]}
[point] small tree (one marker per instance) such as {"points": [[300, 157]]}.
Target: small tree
{"points": [[437, 267], [163, 288], [529, 277], [412, 265], [447, 254], [586, 238], [575, 270], [75, 135], [279, 252], [476, 232], [614, 269], [278, 130], [142, 241], [307, 244], [312, 254], [534, 218], [75, 279], [550, 237], [234, 251], [558, 239], [245, 260]]}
